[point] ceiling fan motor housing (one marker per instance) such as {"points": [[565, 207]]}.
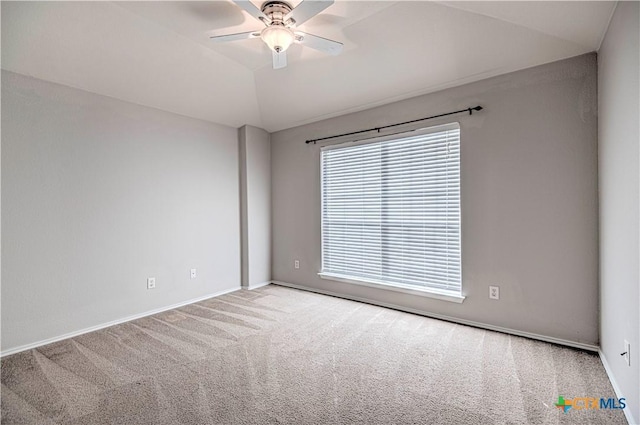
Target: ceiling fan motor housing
{"points": [[276, 11]]}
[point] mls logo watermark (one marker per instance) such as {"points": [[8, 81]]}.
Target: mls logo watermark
{"points": [[591, 403]]}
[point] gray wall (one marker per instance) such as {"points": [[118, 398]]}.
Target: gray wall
{"points": [[99, 194], [529, 200], [619, 171], [255, 190]]}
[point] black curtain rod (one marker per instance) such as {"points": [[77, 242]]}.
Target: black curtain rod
{"points": [[469, 110]]}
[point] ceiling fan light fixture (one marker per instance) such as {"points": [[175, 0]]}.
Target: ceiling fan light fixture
{"points": [[277, 37], [281, 20]]}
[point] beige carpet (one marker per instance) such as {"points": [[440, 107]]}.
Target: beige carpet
{"points": [[279, 355]]}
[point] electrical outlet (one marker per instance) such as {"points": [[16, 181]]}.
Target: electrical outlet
{"points": [[627, 352], [151, 282], [494, 292], [194, 274], [296, 264]]}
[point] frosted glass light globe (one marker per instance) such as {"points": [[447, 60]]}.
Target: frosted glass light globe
{"points": [[277, 37]]}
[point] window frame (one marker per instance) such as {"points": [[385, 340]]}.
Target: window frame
{"points": [[396, 287]]}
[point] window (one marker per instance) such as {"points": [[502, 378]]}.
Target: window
{"points": [[391, 212]]}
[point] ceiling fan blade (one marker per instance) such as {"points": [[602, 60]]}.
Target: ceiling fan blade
{"points": [[279, 60], [234, 37], [306, 10], [250, 8], [325, 45]]}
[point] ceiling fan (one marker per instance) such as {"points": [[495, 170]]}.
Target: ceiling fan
{"points": [[281, 20]]}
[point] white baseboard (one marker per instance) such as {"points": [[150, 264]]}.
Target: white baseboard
{"points": [[616, 388], [111, 323], [530, 335], [258, 285]]}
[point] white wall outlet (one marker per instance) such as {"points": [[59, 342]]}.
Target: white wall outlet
{"points": [[151, 282], [296, 264], [194, 273], [494, 292], [627, 352]]}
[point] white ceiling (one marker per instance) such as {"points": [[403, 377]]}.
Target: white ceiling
{"points": [[159, 53]]}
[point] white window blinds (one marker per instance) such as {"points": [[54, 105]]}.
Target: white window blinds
{"points": [[391, 210]]}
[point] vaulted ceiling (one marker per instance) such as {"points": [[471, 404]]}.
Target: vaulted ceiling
{"points": [[159, 53]]}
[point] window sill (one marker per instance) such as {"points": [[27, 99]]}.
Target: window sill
{"points": [[429, 293]]}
